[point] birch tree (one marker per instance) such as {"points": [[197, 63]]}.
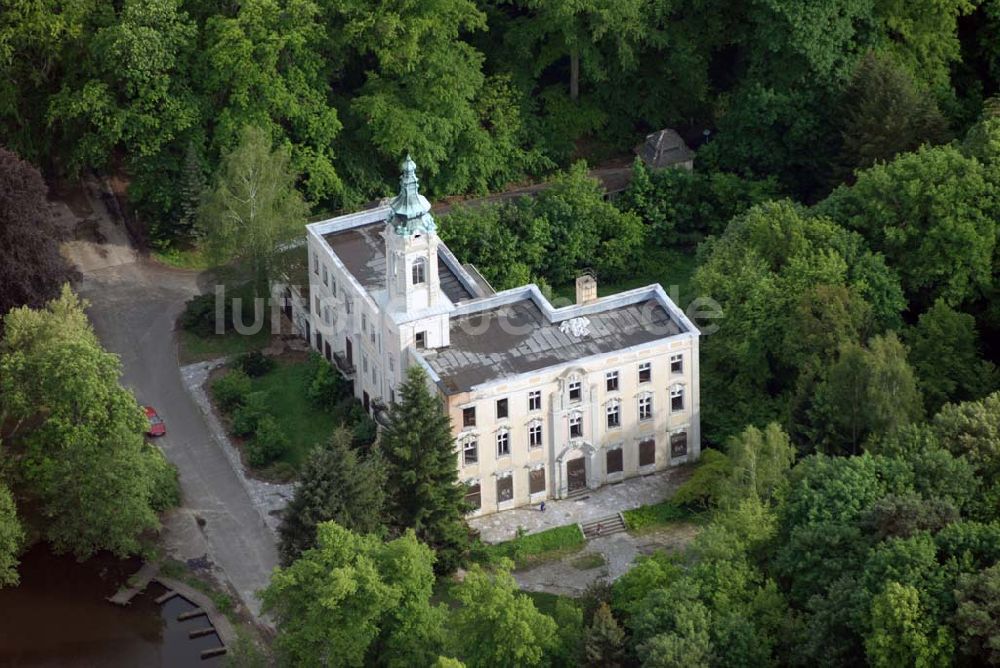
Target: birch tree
{"points": [[254, 210]]}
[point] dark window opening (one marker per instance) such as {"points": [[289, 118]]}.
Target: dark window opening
{"points": [[505, 489], [536, 481], [615, 461], [647, 452], [469, 417]]}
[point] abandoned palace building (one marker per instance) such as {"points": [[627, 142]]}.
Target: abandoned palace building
{"points": [[545, 402]]}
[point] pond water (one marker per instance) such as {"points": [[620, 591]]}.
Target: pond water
{"points": [[59, 616]]}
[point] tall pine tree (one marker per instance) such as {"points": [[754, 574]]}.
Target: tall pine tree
{"points": [[339, 485], [423, 471]]}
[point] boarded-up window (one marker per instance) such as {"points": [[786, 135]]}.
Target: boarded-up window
{"points": [[647, 452], [505, 489], [679, 444], [536, 481], [473, 496], [615, 464]]}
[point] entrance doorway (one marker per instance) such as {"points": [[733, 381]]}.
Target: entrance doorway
{"points": [[576, 474]]}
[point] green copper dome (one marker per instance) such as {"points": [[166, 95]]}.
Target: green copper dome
{"points": [[411, 212]]}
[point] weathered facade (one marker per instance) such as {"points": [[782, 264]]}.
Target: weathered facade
{"points": [[545, 402]]}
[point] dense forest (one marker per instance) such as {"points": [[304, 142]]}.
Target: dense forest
{"points": [[843, 213], [481, 93]]}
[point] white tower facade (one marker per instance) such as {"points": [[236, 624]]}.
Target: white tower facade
{"points": [[411, 245]]}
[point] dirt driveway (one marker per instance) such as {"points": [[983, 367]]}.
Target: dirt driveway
{"points": [[134, 304]]}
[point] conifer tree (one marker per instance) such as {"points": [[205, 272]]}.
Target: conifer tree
{"points": [[192, 187], [605, 642], [423, 471], [337, 485]]}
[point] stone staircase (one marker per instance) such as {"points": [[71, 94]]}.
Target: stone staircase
{"points": [[603, 526]]}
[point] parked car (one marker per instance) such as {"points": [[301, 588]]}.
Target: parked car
{"points": [[156, 425]]}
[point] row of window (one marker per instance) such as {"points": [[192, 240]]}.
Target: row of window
{"points": [[614, 463], [505, 488], [575, 390], [612, 413]]}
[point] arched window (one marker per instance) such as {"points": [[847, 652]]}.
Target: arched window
{"points": [[419, 271]]}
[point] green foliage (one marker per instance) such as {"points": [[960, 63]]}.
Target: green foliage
{"points": [[248, 415], [255, 363], [567, 228], [419, 452], [11, 538], [531, 549], [682, 206], [201, 313], [82, 457], [269, 442], [231, 390], [765, 272], [354, 600], [977, 615], [336, 484], [759, 461], [644, 518], [885, 114], [901, 633], [866, 391], [605, 640], [253, 209], [933, 214], [497, 625], [706, 485], [326, 386], [972, 429]]}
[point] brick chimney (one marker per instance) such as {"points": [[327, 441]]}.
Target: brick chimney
{"points": [[586, 289]]}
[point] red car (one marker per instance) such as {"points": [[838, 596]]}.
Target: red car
{"points": [[156, 425]]}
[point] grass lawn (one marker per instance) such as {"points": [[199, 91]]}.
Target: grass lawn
{"points": [[586, 562], [194, 348], [671, 268], [305, 425], [655, 516], [536, 548], [188, 258]]}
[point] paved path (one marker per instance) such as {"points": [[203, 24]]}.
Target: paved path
{"points": [[619, 551], [607, 500], [134, 304]]}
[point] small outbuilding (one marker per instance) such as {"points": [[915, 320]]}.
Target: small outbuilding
{"points": [[664, 149]]}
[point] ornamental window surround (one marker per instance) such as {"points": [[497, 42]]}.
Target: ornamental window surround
{"points": [[614, 414], [503, 443], [470, 452], [645, 407], [535, 434], [611, 381], [676, 398], [575, 390], [576, 425]]}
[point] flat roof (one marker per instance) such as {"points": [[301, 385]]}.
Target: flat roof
{"points": [[362, 250], [518, 337]]}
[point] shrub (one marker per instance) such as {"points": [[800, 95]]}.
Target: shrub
{"points": [[654, 515], [255, 363], [248, 417], [166, 485], [363, 430], [327, 387], [268, 444], [231, 390], [199, 316]]}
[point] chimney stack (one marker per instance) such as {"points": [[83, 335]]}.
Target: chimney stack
{"points": [[586, 289]]}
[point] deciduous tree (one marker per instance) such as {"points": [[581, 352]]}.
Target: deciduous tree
{"points": [[31, 268], [497, 625], [343, 602], [11, 537], [253, 209], [79, 433]]}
